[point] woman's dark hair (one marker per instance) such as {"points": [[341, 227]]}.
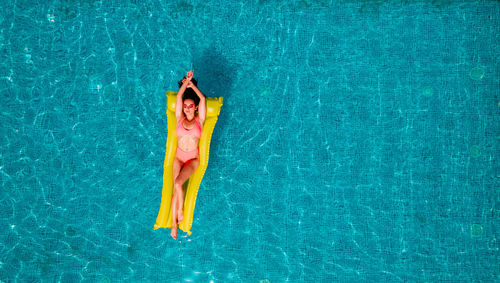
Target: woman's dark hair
{"points": [[189, 93]]}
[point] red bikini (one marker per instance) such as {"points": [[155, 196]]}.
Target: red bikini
{"points": [[185, 156]]}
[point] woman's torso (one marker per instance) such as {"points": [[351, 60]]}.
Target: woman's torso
{"points": [[188, 134]]}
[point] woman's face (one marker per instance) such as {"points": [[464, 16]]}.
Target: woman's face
{"points": [[189, 108]]}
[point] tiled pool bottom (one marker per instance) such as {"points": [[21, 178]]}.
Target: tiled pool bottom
{"points": [[358, 141]]}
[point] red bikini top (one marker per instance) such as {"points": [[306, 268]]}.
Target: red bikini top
{"points": [[195, 131]]}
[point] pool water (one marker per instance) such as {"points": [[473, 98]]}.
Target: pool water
{"points": [[358, 141]]}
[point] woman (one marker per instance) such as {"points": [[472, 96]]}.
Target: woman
{"points": [[190, 101]]}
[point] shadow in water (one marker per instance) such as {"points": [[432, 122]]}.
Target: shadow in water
{"points": [[214, 73]]}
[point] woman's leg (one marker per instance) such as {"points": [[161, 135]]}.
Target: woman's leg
{"points": [[186, 172], [176, 169]]}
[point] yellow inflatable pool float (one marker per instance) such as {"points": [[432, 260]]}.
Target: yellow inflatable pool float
{"points": [[164, 218]]}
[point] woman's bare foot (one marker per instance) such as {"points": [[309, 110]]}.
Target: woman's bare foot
{"points": [[180, 215], [173, 233]]}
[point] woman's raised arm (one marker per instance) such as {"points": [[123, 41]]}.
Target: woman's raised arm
{"points": [[178, 103], [202, 106]]}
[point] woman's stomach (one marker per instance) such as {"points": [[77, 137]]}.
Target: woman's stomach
{"points": [[188, 143]]}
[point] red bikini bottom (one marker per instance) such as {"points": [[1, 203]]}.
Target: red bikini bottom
{"points": [[186, 156]]}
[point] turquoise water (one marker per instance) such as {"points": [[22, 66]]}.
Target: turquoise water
{"points": [[358, 141]]}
